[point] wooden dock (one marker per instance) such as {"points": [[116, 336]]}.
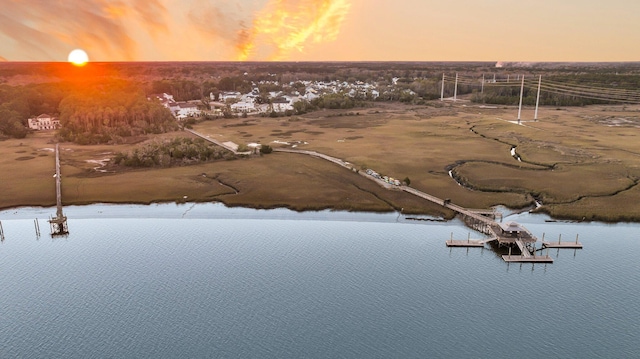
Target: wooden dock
{"points": [[465, 243], [523, 249], [561, 244], [529, 259], [508, 234], [571, 245]]}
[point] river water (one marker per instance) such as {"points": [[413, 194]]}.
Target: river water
{"points": [[205, 281]]}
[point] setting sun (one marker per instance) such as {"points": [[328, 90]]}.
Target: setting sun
{"points": [[78, 57]]}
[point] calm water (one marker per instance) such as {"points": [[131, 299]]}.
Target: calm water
{"points": [[169, 281]]}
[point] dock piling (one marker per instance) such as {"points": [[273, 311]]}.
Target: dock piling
{"points": [[1, 232], [37, 225]]}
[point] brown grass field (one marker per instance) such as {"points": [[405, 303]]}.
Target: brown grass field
{"points": [[580, 163]]}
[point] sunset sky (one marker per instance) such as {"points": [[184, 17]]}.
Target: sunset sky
{"points": [[321, 30]]}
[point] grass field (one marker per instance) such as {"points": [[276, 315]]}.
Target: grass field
{"points": [[578, 162]]}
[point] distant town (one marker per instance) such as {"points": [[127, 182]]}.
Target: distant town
{"points": [[201, 91], [256, 102]]}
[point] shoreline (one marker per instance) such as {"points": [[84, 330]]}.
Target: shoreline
{"points": [[201, 210], [172, 208], [607, 194]]}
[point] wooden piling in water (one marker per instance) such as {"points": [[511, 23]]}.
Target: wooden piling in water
{"points": [[1, 232], [37, 225]]}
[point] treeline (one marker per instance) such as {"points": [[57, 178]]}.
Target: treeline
{"points": [[19, 103], [173, 152], [89, 112], [510, 95], [590, 84], [108, 112]]}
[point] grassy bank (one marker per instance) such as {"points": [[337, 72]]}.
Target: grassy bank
{"points": [[575, 161]]}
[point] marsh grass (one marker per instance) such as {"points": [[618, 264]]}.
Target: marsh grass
{"points": [[579, 167]]}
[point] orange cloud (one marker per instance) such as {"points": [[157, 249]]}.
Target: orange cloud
{"points": [[169, 29], [47, 28], [273, 31], [286, 25]]}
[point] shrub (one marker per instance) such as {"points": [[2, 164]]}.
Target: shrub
{"points": [[266, 149], [167, 153]]}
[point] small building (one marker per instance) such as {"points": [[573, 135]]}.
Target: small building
{"points": [[44, 122], [186, 109], [243, 106], [512, 229], [172, 106], [164, 98], [233, 95], [509, 233], [282, 104]]}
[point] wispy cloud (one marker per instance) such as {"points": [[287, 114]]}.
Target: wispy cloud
{"points": [[283, 26], [219, 21], [46, 28], [125, 29], [275, 30]]}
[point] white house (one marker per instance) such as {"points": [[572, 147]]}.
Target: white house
{"points": [[243, 106], [44, 122], [224, 96], [311, 94], [282, 104], [172, 106], [186, 109], [165, 98]]}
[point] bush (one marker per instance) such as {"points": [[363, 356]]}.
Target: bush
{"points": [[174, 152], [266, 149]]}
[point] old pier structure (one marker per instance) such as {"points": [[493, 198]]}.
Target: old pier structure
{"points": [[59, 222]]}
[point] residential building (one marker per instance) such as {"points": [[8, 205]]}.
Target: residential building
{"points": [[44, 122], [186, 109]]}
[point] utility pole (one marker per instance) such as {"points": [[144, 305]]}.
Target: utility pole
{"points": [[482, 89], [455, 89], [442, 90], [521, 93], [535, 117]]}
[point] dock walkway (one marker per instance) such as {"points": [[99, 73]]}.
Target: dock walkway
{"points": [[480, 220], [571, 245], [523, 249]]}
